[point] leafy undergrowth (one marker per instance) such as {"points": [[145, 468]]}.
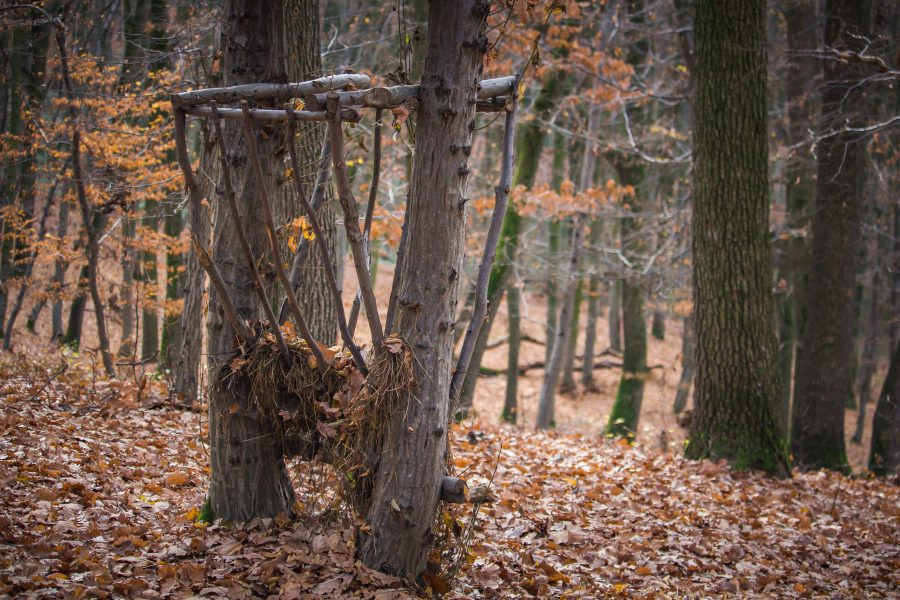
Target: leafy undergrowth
{"points": [[100, 497]]}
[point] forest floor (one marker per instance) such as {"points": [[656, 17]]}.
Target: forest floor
{"points": [[100, 489]]}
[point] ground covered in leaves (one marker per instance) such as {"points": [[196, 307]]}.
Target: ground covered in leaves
{"points": [[100, 489]]}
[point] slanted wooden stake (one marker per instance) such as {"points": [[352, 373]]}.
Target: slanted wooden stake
{"points": [[242, 235], [370, 211], [501, 193], [318, 197], [351, 221], [266, 207], [322, 246]]}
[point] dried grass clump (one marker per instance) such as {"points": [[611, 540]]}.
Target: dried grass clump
{"points": [[339, 415]]}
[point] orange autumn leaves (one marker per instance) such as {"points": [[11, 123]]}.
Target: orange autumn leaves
{"points": [[543, 202]]}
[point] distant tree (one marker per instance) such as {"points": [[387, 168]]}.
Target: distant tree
{"points": [[736, 392], [826, 363]]}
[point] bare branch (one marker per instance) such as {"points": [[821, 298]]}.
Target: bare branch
{"points": [[323, 249], [259, 91], [351, 221], [501, 193]]}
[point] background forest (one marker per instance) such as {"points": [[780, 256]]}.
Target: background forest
{"points": [[622, 319]]}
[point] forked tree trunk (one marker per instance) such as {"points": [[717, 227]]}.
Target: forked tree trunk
{"points": [[406, 489], [529, 146], [248, 477], [737, 390], [825, 367]]}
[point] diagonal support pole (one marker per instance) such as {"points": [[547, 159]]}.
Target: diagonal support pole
{"points": [[501, 194]]}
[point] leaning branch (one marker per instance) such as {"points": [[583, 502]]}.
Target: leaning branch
{"points": [[501, 193], [324, 255], [370, 211], [351, 222], [247, 251]]}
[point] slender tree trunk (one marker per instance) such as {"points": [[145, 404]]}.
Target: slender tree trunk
{"points": [[59, 274], [658, 328], [793, 254], [593, 310], [529, 146], [149, 289], [560, 148], [884, 455], [688, 363], [510, 405], [410, 475], [129, 301], [567, 386], [247, 479], [867, 361], [547, 399], [626, 410], [171, 331], [825, 366], [736, 392]]}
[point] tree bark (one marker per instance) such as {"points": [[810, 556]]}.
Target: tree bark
{"points": [[825, 367], [409, 478], [593, 312], [626, 410], [567, 386], [248, 477], [736, 390]]}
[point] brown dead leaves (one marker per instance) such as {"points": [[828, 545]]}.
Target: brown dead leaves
{"points": [[96, 503]]}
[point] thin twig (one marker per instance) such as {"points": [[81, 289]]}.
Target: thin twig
{"points": [[266, 206], [324, 255], [59, 372]]}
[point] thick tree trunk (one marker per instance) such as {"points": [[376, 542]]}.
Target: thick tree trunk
{"points": [[406, 489], [884, 455], [688, 363], [511, 401], [867, 360], [736, 392], [248, 478], [253, 53], [825, 365]]}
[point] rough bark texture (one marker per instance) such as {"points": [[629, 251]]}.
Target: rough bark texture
{"points": [[567, 386], [248, 476], [884, 456], [304, 62], [413, 465], [825, 367], [736, 391]]}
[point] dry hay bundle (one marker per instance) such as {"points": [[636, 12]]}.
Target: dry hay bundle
{"points": [[339, 415]]}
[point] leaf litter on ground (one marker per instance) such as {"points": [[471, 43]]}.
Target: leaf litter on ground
{"points": [[101, 497]]}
